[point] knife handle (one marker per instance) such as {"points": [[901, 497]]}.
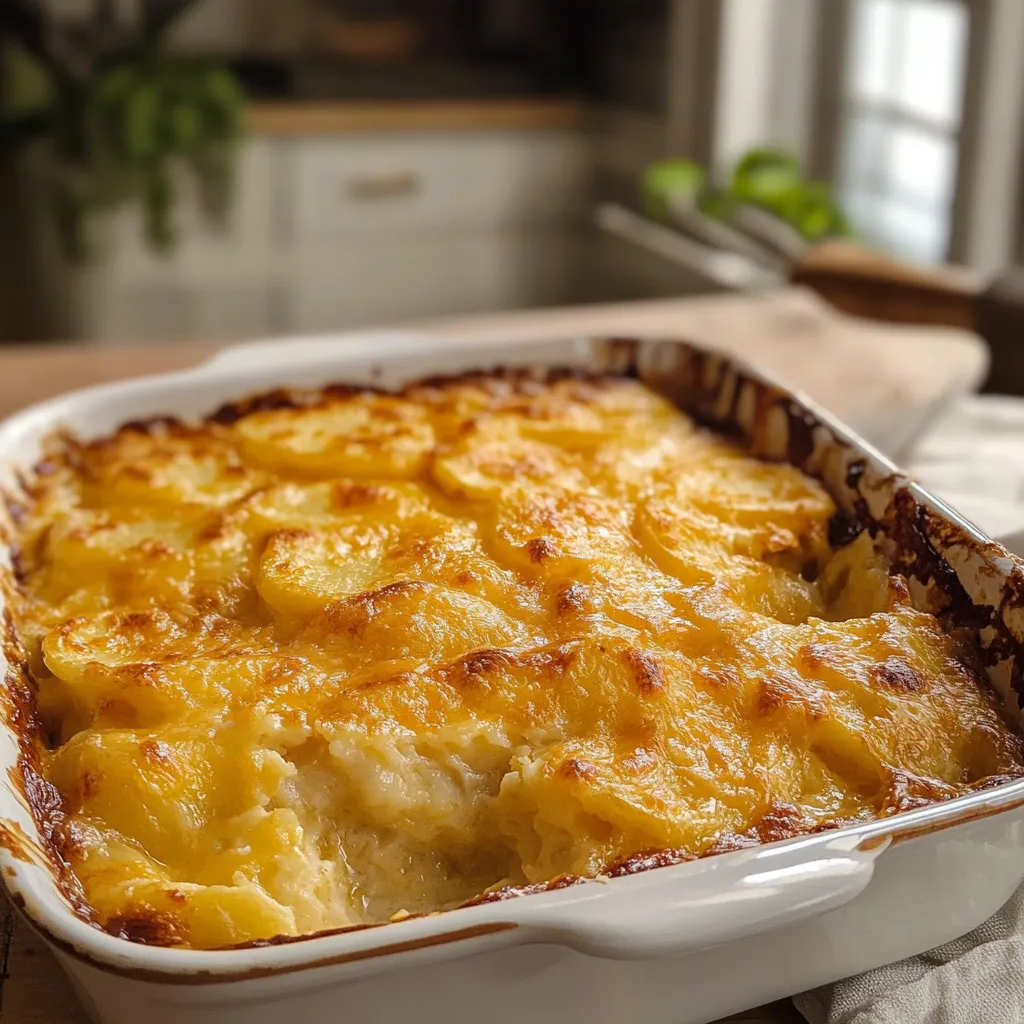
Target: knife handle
{"points": [[868, 284], [999, 319]]}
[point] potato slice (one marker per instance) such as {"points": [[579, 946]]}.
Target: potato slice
{"points": [[173, 465], [485, 466], [361, 436], [306, 506], [301, 571]]}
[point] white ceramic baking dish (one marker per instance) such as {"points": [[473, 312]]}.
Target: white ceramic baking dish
{"points": [[672, 945]]}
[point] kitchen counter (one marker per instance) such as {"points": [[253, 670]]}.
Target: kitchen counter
{"points": [[847, 365], [305, 117], [789, 330]]}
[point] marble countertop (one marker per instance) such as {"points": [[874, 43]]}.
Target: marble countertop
{"points": [[973, 459]]}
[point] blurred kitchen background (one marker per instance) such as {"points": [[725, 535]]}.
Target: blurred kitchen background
{"points": [[229, 168]]}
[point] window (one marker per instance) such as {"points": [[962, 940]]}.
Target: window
{"points": [[914, 108], [900, 118]]}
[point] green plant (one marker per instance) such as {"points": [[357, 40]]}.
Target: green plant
{"points": [[767, 178], [123, 118], [670, 182]]}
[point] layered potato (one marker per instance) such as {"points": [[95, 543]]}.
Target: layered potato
{"points": [[325, 660]]}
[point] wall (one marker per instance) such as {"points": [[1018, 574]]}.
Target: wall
{"points": [[992, 176], [744, 77], [766, 66]]}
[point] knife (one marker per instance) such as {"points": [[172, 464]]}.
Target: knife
{"points": [[848, 275]]}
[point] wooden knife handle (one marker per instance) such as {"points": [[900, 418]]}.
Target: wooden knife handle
{"points": [[868, 284], [999, 319]]}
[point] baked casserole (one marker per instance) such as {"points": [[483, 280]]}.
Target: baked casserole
{"points": [[336, 658]]}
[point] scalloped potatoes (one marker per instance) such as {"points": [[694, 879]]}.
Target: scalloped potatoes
{"points": [[317, 663]]}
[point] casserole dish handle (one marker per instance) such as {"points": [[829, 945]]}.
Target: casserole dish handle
{"points": [[708, 902]]}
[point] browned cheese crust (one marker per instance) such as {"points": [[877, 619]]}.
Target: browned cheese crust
{"points": [[324, 660]]}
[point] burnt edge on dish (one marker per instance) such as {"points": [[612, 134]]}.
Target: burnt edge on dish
{"points": [[719, 393], [20, 714], [970, 583]]}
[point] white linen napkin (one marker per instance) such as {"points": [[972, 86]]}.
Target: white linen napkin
{"points": [[977, 979]]}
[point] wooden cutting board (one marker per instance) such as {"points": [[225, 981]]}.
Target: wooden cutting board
{"points": [[847, 365]]}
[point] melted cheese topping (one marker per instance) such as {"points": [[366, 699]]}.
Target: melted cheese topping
{"points": [[319, 665]]}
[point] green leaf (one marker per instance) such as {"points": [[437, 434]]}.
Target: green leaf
{"points": [[159, 201], [668, 184], [140, 129], [715, 203], [766, 158], [223, 93], [815, 214], [25, 87], [773, 189], [766, 177], [186, 124], [114, 87], [772, 180]]}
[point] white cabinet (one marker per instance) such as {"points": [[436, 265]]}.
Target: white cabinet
{"points": [[367, 184], [331, 232], [162, 310], [535, 179], [371, 184], [426, 274], [373, 278]]}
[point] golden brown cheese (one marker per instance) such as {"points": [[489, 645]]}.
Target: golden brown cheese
{"points": [[318, 663]]}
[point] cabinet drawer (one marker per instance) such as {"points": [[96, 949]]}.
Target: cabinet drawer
{"points": [[376, 184], [372, 184]]}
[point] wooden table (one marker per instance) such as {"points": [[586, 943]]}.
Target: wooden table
{"points": [[789, 331]]}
